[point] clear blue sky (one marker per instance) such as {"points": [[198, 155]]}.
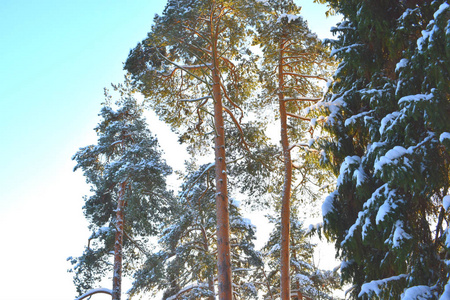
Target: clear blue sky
{"points": [[55, 59]]}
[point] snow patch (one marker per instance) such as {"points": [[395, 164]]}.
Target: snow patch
{"points": [[446, 202], [289, 17], [375, 286], [327, 205], [401, 64], [444, 136], [417, 292], [399, 235]]}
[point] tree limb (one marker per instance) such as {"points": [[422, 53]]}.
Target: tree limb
{"points": [[95, 291]]}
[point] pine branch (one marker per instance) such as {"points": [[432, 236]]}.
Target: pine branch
{"points": [[297, 116], [178, 67], [95, 291], [195, 100], [311, 99], [304, 76]]}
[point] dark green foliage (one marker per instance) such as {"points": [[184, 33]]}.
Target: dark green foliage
{"points": [[126, 152], [387, 118]]}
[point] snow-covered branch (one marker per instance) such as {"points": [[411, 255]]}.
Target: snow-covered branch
{"points": [[95, 291]]}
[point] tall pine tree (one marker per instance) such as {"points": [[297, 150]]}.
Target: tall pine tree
{"points": [[127, 178], [387, 116], [195, 69], [185, 266], [301, 62]]}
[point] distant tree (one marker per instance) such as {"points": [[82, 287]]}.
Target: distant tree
{"points": [[306, 279], [185, 266], [387, 116], [196, 71], [294, 62], [127, 178]]}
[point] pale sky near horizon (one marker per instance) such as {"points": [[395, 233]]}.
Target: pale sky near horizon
{"points": [[55, 59]]}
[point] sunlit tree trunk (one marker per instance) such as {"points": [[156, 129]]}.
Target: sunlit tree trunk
{"points": [[286, 197], [223, 219]]}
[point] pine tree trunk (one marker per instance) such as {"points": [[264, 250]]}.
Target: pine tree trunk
{"points": [[223, 223], [117, 276], [285, 204]]}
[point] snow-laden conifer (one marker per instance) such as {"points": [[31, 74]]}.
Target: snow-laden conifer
{"points": [[129, 197], [306, 279], [185, 264], [387, 113], [196, 71], [294, 62]]}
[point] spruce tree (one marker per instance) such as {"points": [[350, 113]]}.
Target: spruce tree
{"points": [[195, 69], [129, 197], [387, 119], [301, 62], [185, 266]]}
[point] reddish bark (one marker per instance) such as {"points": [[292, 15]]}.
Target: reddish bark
{"points": [[285, 288], [223, 223]]}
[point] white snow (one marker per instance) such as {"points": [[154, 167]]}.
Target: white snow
{"points": [[399, 235], [391, 157], [95, 291], [415, 98], [401, 64], [327, 205], [353, 118], [360, 176], [441, 9], [446, 202], [352, 229], [384, 210], [345, 167], [444, 136], [389, 119], [288, 16], [376, 285], [417, 292]]}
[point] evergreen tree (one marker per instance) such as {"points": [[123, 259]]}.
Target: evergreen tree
{"points": [[387, 116], [185, 266], [194, 67], [306, 279], [301, 61], [127, 176]]}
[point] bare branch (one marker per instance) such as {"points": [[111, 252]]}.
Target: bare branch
{"points": [[304, 76], [302, 99], [238, 127], [297, 116], [195, 100]]}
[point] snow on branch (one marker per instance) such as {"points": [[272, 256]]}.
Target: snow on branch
{"points": [[375, 285], [183, 67], [95, 291], [187, 289]]}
